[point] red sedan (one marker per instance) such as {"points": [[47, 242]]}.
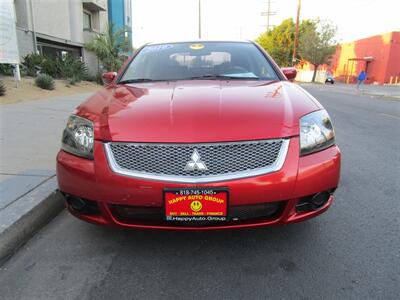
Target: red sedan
{"points": [[199, 135]]}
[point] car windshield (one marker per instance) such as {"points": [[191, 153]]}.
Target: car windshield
{"points": [[207, 60]]}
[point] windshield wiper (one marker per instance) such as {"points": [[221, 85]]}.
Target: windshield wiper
{"points": [[201, 77], [216, 76], [139, 80]]}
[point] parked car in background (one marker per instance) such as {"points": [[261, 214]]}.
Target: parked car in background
{"points": [[199, 135], [329, 78]]}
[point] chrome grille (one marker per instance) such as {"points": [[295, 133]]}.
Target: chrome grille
{"points": [[223, 160]]}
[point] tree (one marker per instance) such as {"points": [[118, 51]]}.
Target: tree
{"points": [[110, 46], [279, 41], [317, 44]]}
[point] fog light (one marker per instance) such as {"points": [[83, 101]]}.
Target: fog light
{"points": [[76, 203], [313, 202], [319, 199]]}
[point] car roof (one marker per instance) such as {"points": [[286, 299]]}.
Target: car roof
{"points": [[197, 41]]}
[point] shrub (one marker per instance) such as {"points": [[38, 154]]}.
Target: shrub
{"points": [[49, 67], [99, 79], [70, 66], [22, 71], [32, 62], [6, 69], [110, 46], [90, 78], [80, 70], [65, 67], [45, 81], [74, 79], [2, 88]]}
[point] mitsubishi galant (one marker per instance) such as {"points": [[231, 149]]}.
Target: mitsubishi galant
{"points": [[199, 135]]}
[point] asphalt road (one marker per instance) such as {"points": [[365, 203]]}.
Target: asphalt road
{"points": [[350, 252]]}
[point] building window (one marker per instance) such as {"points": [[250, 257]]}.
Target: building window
{"points": [[87, 21]]}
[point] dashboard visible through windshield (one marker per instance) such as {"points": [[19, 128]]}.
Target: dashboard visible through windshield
{"points": [[207, 60]]}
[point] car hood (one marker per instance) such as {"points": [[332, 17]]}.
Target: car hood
{"points": [[198, 111]]}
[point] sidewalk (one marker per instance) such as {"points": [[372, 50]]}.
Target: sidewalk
{"points": [[387, 91], [28, 91], [30, 135]]}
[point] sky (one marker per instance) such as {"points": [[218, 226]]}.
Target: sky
{"points": [[166, 20]]}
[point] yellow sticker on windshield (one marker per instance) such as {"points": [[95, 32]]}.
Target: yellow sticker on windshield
{"points": [[196, 46]]}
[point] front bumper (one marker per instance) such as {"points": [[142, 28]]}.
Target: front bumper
{"points": [[300, 178]]}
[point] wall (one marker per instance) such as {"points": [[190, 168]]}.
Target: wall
{"points": [[393, 68], [22, 14], [103, 20], [116, 13], [23, 26], [25, 42], [120, 14], [58, 21], [382, 52], [92, 62], [76, 21], [52, 17], [128, 19], [380, 48]]}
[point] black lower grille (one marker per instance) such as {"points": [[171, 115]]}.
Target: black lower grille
{"points": [[81, 205], [256, 211], [237, 214], [127, 213]]}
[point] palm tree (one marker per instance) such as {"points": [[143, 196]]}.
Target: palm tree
{"points": [[110, 46]]}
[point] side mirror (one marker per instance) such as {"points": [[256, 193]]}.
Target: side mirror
{"points": [[108, 77], [289, 72]]}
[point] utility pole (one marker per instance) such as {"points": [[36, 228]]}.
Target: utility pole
{"points": [[199, 19], [296, 34], [268, 13]]}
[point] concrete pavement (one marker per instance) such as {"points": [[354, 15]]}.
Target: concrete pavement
{"points": [[382, 91], [350, 252], [30, 134]]}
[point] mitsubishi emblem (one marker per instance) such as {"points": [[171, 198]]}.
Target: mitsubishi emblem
{"points": [[195, 163]]}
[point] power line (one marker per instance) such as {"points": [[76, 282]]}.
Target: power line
{"points": [[268, 13]]}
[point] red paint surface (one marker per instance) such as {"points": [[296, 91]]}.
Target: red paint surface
{"points": [[197, 111]]}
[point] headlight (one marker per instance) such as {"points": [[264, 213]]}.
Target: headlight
{"points": [[316, 132], [78, 137]]}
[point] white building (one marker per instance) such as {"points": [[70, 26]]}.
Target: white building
{"points": [[55, 27]]}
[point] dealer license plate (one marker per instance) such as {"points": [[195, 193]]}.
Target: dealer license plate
{"points": [[196, 204]]}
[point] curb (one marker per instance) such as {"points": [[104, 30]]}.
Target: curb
{"points": [[354, 92], [26, 216], [382, 95]]}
